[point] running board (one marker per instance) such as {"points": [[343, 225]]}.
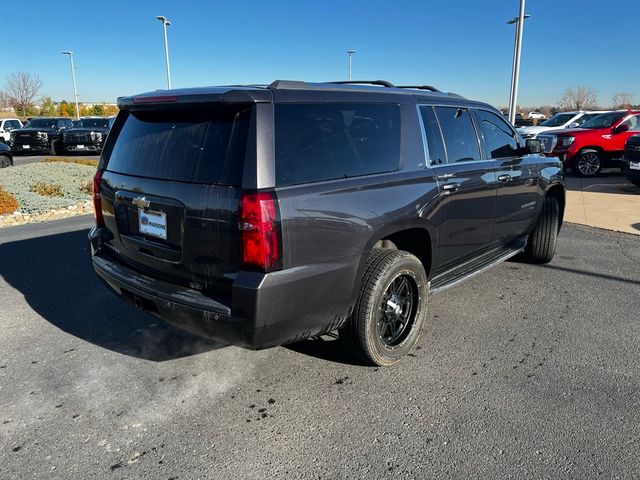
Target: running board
{"points": [[472, 268]]}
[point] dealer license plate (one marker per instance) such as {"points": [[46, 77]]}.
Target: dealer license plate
{"points": [[153, 223], [26, 147], [634, 165], [80, 146]]}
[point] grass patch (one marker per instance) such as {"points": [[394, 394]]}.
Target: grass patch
{"points": [[8, 203], [89, 162], [47, 189]]}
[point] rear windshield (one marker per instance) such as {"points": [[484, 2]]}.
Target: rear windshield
{"points": [[201, 145], [316, 142]]}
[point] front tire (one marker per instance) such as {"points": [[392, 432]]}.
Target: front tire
{"points": [[391, 308], [541, 244], [588, 163]]}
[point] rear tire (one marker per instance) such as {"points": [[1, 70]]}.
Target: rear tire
{"points": [[587, 163], [390, 310], [541, 245], [5, 162]]}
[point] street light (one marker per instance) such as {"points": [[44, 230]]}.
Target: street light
{"points": [[515, 69], [165, 24], [73, 75], [350, 53]]}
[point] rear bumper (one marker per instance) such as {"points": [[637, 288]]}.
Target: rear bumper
{"points": [[265, 310]]}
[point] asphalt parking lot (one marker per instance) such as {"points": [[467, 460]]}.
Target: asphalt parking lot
{"points": [[523, 372]]}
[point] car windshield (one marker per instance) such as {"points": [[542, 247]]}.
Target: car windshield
{"points": [[41, 123], [557, 120], [92, 123], [606, 120]]}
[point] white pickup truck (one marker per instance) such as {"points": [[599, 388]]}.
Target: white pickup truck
{"points": [[559, 121], [6, 125]]}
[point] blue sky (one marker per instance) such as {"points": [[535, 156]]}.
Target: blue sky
{"points": [[461, 46]]}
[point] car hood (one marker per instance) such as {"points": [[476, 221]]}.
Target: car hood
{"points": [[33, 130], [86, 130], [536, 129], [582, 131]]}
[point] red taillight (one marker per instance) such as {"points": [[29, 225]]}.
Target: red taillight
{"points": [[260, 231], [97, 202]]}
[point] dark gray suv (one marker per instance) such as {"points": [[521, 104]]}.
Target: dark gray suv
{"points": [[264, 215]]}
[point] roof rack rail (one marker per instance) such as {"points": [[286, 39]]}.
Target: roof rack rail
{"points": [[420, 87], [382, 83]]}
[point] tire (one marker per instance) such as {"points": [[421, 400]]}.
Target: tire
{"points": [[587, 163], [390, 310], [5, 161], [635, 181], [541, 244], [54, 147]]}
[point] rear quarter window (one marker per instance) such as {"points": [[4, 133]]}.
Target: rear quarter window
{"points": [[200, 145], [316, 142]]}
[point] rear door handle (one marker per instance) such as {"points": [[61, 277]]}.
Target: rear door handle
{"points": [[450, 187], [504, 178]]}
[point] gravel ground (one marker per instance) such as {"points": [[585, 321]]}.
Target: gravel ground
{"points": [[17, 180], [524, 372]]}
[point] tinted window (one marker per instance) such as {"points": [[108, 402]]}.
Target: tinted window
{"points": [[633, 122], [42, 123], [92, 123], [189, 145], [316, 142], [459, 135], [500, 140], [558, 120], [605, 120], [586, 117], [433, 135]]}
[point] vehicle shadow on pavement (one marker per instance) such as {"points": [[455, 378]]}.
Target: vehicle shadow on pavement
{"points": [[325, 348], [55, 275]]}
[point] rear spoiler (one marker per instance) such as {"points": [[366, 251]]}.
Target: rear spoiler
{"points": [[190, 96]]}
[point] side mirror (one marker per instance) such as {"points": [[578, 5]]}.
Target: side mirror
{"points": [[533, 146], [573, 125], [620, 128]]}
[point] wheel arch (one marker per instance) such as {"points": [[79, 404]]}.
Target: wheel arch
{"points": [[415, 239], [558, 192]]}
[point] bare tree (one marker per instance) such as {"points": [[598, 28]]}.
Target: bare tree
{"points": [[22, 88], [5, 101], [622, 100], [579, 98]]}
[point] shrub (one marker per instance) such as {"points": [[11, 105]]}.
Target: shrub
{"points": [[47, 189], [8, 203], [87, 187], [80, 161]]}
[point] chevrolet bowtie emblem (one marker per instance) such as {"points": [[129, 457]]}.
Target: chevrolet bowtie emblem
{"points": [[141, 202]]}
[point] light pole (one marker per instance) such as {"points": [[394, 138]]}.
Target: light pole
{"points": [[165, 24], [350, 53], [73, 75], [515, 69]]}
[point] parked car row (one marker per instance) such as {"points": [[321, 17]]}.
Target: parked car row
{"points": [[597, 143], [55, 135]]}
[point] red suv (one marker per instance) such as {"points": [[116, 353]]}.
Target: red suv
{"points": [[596, 144]]}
